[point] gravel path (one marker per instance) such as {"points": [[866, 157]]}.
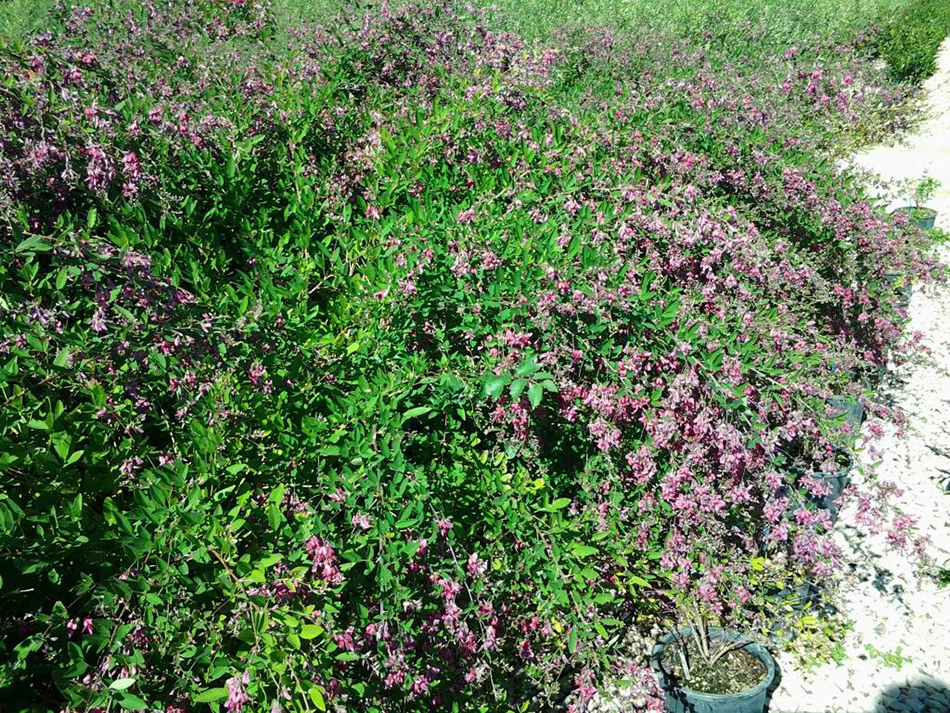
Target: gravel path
{"points": [[893, 610]]}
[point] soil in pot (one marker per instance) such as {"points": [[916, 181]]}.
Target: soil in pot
{"points": [[680, 696], [735, 672]]}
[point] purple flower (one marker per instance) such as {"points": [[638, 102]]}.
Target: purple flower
{"points": [[98, 321]]}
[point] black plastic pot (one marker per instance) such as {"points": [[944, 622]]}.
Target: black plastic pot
{"points": [[903, 292], [798, 598], [680, 699], [836, 481], [795, 601], [923, 218], [850, 409]]}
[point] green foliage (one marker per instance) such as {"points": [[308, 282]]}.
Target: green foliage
{"points": [[723, 23], [910, 41], [19, 18], [939, 236]]}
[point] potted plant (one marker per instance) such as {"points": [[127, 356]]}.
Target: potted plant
{"points": [[710, 669], [919, 215]]}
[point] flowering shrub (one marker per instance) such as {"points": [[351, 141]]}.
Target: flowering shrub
{"points": [[404, 364], [910, 41]]}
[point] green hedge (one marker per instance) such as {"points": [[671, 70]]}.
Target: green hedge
{"points": [[911, 40]]}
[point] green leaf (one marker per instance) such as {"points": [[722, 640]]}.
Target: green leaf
{"points": [[581, 551], [534, 394], [417, 411], [61, 358], [316, 695], [120, 684], [517, 387], [274, 516], [494, 385], [270, 560], [75, 508], [310, 631], [212, 694], [61, 443], [131, 702], [276, 496], [33, 244], [527, 367], [560, 503], [217, 672]]}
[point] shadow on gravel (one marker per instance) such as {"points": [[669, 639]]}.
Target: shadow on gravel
{"points": [[880, 578], [919, 695]]}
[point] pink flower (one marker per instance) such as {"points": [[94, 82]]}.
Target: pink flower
{"points": [[476, 566], [360, 520], [255, 372], [237, 695], [98, 321], [324, 561]]}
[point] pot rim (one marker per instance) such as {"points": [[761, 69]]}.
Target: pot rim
{"points": [[915, 209], [754, 648]]}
